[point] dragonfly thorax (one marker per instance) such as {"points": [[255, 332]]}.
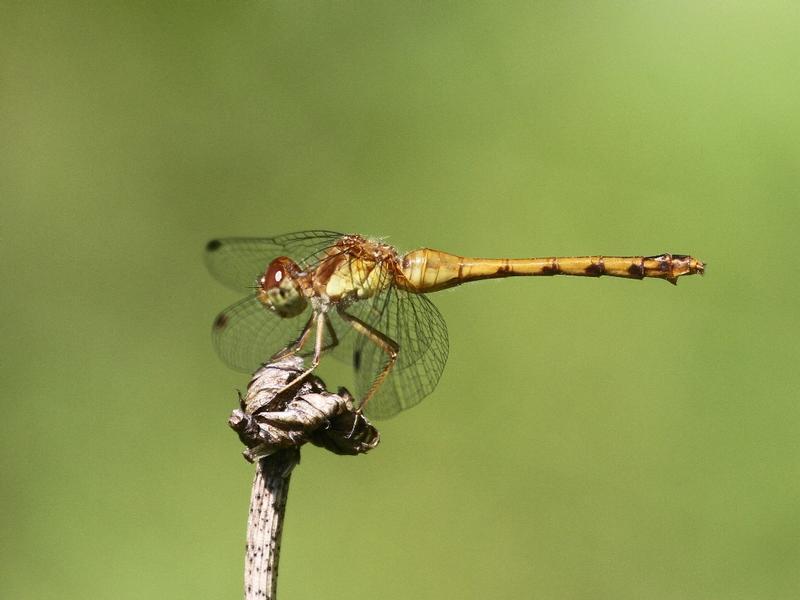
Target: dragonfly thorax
{"points": [[280, 289], [352, 279]]}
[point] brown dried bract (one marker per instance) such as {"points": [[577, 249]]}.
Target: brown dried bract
{"points": [[271, 418]]}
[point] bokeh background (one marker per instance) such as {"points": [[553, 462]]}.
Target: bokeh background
{"points": [[589, 439]]}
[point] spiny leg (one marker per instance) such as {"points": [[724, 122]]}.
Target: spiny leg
{"points": [[296, 345], [334, 339], [385, 343], [319, 348]]}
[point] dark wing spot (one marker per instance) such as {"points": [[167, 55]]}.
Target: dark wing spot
{"points": [[220, 321], [356, 359], [213, 245]]}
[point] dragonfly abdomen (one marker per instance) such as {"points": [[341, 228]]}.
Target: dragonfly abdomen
{"points": [[431, 270]]}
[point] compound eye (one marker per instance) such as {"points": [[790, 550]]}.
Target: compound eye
{"points": [[275, 274], [280, 288]]}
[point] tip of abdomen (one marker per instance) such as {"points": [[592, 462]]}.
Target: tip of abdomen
{"points": [[682, 264]]}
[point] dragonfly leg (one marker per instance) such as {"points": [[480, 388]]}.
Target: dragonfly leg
{"points": [[321, 321], [385, 343], [332, 332], [296, 345]]}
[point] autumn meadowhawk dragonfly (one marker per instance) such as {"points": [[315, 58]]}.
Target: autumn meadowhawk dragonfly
{"points": [[314, 292]]}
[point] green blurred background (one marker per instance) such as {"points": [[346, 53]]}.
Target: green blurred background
{"points": [[589, 438]]}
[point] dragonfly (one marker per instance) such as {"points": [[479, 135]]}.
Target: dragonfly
{"points": [[318, 292]]}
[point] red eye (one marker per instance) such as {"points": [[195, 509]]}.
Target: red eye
{"points": [[277, 271], [280, 288], [273, 276]]}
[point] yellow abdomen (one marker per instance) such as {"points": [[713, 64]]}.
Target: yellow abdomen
{"points": [[428, 270]]}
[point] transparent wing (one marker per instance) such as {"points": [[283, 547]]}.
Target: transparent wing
{"points": [[238, 262], [247, 334], [417, 326]]}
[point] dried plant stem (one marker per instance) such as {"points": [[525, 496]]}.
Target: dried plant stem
{"points": [[265, 523], [273, 422]]}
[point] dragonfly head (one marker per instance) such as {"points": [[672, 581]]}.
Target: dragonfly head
{"points": [[279, 288]]}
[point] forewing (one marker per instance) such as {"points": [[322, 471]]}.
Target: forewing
{"points": [[238, 262], [419, 329], [247, 334]]}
